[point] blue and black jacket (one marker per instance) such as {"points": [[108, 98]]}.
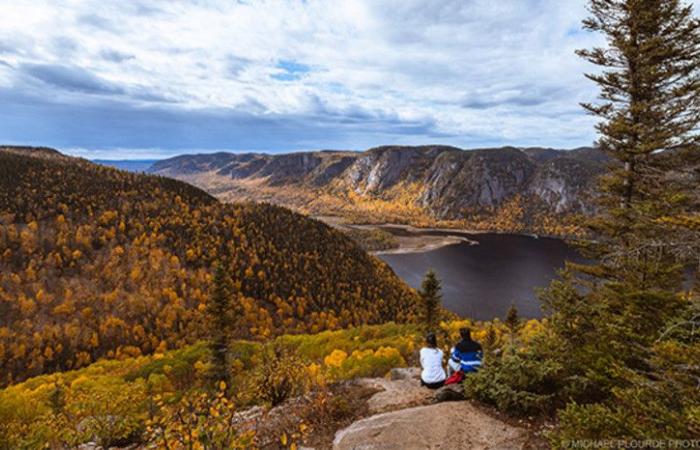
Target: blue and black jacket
{"points": [[467, 353]]}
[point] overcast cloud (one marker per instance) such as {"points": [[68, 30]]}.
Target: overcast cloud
{"points": [[135, 78]]}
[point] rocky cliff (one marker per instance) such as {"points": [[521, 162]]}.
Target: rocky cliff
{"points": [[419, 184]]}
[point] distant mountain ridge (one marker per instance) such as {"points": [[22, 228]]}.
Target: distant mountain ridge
{"points": [[506, 188]]}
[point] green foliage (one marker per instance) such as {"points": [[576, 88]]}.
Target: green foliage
{"points": [[219, 314], [624, 369], [660, 403], [516, 381], [108, 410], [372, 240], [512, 320], [430, 300], [179, 363]]}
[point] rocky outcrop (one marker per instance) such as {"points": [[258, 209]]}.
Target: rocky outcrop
{"points": [[457, 425], [381, 168], [476, 180], [395, 394], [409, 416]]}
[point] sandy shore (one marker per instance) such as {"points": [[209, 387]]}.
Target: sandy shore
{"points": [[412, 240], [417, 244]]}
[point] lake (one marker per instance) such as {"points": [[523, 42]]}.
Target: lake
{"points": [[482, 281]]}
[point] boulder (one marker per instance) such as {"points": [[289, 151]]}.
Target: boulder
{"points": [[395, 394], [450, 393], [448, 426]]}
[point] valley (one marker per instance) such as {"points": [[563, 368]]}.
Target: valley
{"points": [[508, 189], [378, 225]]}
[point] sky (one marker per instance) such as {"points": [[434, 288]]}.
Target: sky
{"points": [[150, 79]]}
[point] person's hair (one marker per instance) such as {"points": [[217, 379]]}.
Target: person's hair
{"points": [[431, 340], [466, 333]]}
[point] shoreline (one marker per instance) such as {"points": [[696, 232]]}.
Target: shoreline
{"points": [[423, 246], [414, 241], [418, 239]]}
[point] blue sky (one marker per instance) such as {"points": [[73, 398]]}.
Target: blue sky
{"points": [[138, 79]]}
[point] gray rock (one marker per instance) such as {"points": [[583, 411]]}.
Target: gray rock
{"points": [[395, 394], [445, 426], [405, 373], [451, 393]]}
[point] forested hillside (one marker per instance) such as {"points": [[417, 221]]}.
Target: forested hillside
{"points": [[97, 262]]}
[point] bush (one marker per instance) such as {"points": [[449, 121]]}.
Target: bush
{"points": [[516, 382], [660, 402], [279, 376], [363, 363], [199, 420], [107, 410]]}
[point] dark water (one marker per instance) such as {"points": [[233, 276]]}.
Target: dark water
{"points": [[481, 281]]}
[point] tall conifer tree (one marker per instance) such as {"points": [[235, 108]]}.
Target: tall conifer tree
{"points": [[431, 299], [219, 314], [608, 314]]}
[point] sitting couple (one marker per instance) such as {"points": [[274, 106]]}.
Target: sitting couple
{"points": [[465, 357]]}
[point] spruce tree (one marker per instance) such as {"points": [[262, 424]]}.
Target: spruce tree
{"points": [[606, 315], [512, 322], [431, 298], [219, 316], [512, 319]]}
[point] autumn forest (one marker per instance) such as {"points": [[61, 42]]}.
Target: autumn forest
{"points": [[98, 262]]}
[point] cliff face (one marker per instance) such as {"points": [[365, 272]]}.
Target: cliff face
{"points": [[468, 181], [446, 183]]}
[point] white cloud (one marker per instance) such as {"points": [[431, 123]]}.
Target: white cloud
{"points": [[472, 72]]}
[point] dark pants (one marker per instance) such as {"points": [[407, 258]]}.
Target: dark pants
{"points": [[436, 385]]}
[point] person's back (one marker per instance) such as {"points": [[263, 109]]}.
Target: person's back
{"points": [[466, 355], [433, 375]]}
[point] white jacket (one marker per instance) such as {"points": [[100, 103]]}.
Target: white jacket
{"points": [[431, 361]]}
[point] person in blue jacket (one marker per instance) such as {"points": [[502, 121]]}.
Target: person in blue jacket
{"points": [[465, 357]]}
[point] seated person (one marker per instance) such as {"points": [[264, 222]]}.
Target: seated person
{"points": [[433, 375], [465, 357]]}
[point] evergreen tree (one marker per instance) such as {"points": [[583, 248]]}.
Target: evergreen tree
{"points": [[57, 399], [512, 322], [219, 314], [608, 317], [512, 319], [431, 299]]}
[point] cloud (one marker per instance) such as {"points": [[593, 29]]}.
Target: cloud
{"points": [[70, 78], [179, 129], [115, 56], [290, 74]]}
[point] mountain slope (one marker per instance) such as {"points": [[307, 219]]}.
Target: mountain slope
{"points": [[507, 188], [99, 262]]}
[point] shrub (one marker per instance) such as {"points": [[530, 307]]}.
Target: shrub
{"points": [[364, 363], [199, 420], [279, 376], [660, 402], [515, 381], [107, 410]]}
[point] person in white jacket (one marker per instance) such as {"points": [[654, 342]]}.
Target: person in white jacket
{"points": [[433, 375]]}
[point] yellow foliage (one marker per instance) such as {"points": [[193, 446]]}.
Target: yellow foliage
{"points": [[335, 359]]}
